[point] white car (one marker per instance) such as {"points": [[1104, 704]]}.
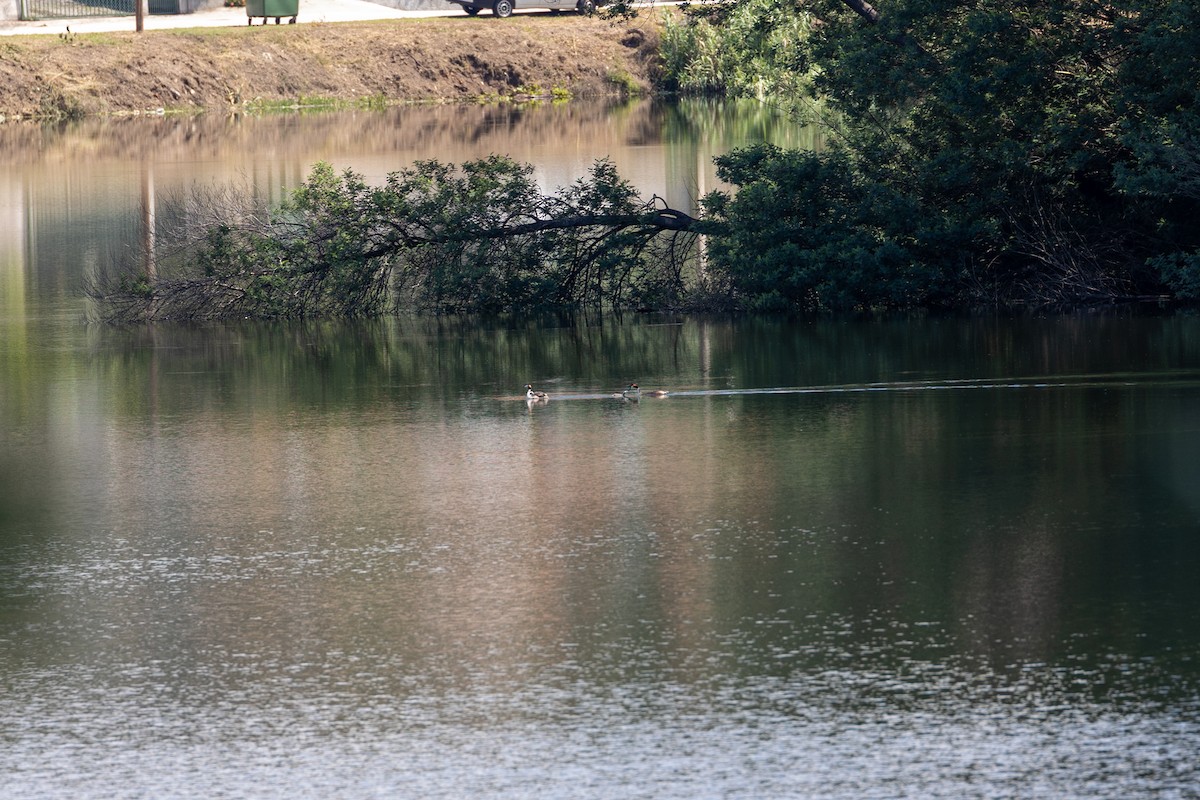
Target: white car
{"points": [[503, 8]]}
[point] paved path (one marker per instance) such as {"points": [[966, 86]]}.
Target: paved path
{"points": [[310, 11]]}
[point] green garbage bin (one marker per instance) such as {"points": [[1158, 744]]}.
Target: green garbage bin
{"points": [[272, 8]]}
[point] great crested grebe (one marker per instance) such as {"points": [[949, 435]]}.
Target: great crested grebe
{"points": [[530, 394], [636, 391]]}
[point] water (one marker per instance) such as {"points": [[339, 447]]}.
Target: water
{"points": [[72, 197], [924, 558]]}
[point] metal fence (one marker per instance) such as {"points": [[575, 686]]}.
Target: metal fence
{"points": [[68, 9]]}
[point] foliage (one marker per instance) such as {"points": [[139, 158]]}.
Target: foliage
{"points": [[806, 232], [1181, 272], [985, 151], [747, 49], [1021, 151], [481, 237], [54, 105]]}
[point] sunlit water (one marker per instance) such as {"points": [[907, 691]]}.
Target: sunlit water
{"points": [[866, 559]]}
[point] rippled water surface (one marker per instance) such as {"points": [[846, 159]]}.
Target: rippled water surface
{"points": [[865, 559], [938, 559]]}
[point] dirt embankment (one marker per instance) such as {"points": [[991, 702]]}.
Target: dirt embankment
{"points": [[436, 59]]}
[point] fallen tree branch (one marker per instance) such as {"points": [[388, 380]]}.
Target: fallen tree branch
{"points": [[433, 239]]}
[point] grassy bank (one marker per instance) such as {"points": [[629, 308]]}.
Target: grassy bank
{"points": [[447, 59]]}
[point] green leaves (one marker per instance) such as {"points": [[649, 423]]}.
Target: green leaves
{"points": [[997, 150], [804, 232], [478, 237], [1181, 273], [987, 151], [749, 49]]}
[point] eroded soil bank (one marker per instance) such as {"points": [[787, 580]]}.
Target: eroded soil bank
{"points": [[435, 59]]}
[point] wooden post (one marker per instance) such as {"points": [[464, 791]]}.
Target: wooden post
{"points": [[150, 264], [140, 9]]}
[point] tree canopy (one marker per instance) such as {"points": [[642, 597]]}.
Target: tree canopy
{"points": [[478, 237], [981, 152], [985, 151]]}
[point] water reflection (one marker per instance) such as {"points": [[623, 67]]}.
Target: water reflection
{"points": [[78, 193], [923, 557], [401, 451]]}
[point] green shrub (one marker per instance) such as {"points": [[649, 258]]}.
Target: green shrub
{"points": [[750, 49]]}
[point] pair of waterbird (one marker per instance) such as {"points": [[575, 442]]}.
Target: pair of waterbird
{"points": [[633, 391], [636, 392]]}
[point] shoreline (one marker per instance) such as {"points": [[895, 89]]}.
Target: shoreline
{"points": [[385, 62]]}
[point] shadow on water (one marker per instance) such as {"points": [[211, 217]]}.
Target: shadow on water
{"points": [[322, 550], [343, 559]]}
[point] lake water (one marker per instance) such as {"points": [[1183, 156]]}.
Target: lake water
{"points": [[927, 558]]}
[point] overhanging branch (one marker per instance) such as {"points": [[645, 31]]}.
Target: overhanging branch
{"points": [[864, 10]]}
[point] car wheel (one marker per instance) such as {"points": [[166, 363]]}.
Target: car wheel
{"points": [[502, 8], [587, 7], [471, 10]]}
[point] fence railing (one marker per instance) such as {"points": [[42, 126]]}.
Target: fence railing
{"points": [[67, 9]]}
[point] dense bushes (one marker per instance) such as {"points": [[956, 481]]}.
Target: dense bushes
{"points": [[805, 232], [751, 48], [986, 152]]}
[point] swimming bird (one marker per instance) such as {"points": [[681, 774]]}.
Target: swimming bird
{"points": [[636, 391], [530, 394]]}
